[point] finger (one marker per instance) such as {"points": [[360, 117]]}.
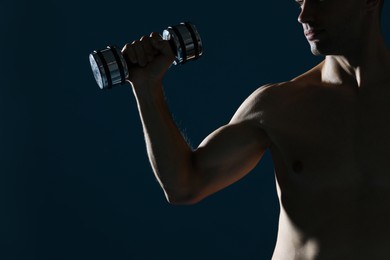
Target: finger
{"points": [[156, 36], [129, 53], [140, 54], [148, 48], [159, 43], [155, 40]]}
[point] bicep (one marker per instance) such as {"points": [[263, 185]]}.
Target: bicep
{"points": [[227, 155]]}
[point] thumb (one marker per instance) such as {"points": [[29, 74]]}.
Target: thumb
{"points": [[160, 44]]}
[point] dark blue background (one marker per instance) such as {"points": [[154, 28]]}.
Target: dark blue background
{"points": [[75, 182]]}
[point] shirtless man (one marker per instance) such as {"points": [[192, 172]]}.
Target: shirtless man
{"points": [[328, 131]]}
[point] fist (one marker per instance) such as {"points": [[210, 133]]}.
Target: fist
{"points": [[148, 59]]}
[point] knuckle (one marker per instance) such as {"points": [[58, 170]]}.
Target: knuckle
{"points": [[126, 47], [144, 38], [154, 34]]}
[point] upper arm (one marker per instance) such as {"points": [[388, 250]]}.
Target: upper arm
{"points": [[231, 151]]}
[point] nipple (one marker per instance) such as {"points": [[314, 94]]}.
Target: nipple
{"points": [[297, 166]]}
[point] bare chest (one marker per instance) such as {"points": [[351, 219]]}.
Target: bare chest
{"points": [[331, 152], [331, 149], [328, 134]]}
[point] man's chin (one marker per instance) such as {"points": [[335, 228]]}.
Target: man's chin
{"points": [[316, 51], [324, 48]]}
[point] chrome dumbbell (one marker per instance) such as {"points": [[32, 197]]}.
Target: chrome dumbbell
{"points": [[110, 69]]}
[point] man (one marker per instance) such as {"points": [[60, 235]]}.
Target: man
{"points": [[328, 131]]}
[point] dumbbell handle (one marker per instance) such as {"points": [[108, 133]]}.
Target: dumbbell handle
{"points": [[110, 68]]}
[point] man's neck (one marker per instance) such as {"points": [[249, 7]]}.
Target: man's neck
{"points": [[367, 65]]}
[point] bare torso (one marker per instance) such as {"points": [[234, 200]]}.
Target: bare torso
{"points": [[331, 150], [328, 131]]}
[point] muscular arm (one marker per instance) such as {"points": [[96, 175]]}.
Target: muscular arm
{"points": [[225, 156], [187, 176], [231, 151]]}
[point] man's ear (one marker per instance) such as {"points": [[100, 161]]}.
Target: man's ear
{"points": [[371, 5]]}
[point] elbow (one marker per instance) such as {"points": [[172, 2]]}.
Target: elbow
{"points": [[187, 191], [182, 199], [182, 202]]}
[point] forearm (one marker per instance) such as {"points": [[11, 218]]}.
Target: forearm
{"points": [[168, 152], [187, 176]]}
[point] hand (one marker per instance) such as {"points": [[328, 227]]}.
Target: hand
{"points": [[148, 59]]}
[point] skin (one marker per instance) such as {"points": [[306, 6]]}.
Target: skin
{"points": [[327, 129]]}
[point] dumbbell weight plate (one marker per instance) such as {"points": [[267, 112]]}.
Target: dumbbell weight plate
{"points": [[110, 68]]}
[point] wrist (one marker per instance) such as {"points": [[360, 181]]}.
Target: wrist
{"points": [[148, 91]]}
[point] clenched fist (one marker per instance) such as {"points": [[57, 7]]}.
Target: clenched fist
{"points": [[148, 59]]}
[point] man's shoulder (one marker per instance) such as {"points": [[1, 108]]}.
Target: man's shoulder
{"points": [[266, 97], [261, 100], [270, 92], [279, 90]]}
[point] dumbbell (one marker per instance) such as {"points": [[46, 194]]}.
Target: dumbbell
{"points": [[110, 68]]}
